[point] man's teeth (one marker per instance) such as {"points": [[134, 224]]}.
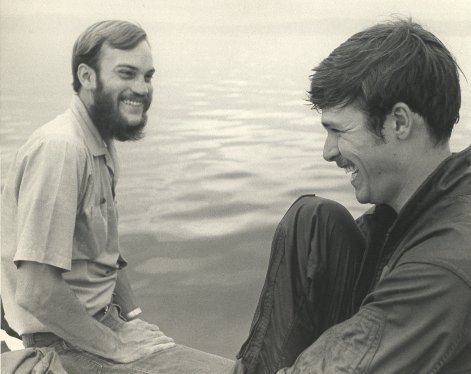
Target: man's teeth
{"points": [[353, 170], [133, 103], [354, 175]]}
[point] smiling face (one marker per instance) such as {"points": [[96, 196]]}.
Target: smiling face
{"points": [[123, 91], [371, 161]]}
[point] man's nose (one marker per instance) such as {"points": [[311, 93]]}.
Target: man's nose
{"points": [[331, 150], [141, 87]]}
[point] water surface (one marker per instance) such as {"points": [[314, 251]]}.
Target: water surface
{"points": [[231, 143]]}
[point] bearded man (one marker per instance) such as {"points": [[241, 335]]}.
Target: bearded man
{"points": [[64, 284]]}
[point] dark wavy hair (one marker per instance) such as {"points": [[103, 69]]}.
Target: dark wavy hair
{"points": [[117, 34], [392, 62]]}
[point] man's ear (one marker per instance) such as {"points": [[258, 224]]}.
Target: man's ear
{"points": [[87, 76], [403, 120]]}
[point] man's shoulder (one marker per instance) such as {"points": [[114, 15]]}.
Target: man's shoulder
{"points": [[63, 127], [62, 131], [444, 242]]}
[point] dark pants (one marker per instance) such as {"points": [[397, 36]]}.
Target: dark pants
{"points": [[315, 260]]}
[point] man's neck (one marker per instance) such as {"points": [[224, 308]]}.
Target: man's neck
{"points": [[417, 172], [86, 98]]}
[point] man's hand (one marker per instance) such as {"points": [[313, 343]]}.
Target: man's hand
{"points": [[138, 339], [42, 291]]}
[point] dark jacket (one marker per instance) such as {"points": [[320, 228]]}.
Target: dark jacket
{"points": [[416, 315]]}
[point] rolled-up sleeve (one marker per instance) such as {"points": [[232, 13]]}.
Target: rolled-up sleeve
{"points": [[49, 176], [416, 319]]}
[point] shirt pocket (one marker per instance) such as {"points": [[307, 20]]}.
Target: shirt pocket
{"points": [[99, 225], [92, 231]]}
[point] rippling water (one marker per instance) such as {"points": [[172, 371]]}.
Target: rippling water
{"points": [[231, 142]]}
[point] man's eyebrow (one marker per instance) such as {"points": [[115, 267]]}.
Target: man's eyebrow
{"points": [[126, 66], [132, 67]]}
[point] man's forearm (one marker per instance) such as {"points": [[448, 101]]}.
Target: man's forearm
{"points": [[42, 291], [124, 296]]}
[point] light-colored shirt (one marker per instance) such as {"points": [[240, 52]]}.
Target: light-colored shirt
{"points": [[59, 208]]}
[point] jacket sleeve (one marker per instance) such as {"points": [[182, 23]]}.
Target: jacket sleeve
{"points": [[415, 320]]}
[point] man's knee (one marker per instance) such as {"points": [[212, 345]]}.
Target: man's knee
{"points": [[311, 208]]}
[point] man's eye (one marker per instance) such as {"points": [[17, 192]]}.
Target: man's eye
{"points": [[148, 78], [126, 74]]}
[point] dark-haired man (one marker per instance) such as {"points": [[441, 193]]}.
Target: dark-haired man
{"points": [[64, 284], [391, 292]]}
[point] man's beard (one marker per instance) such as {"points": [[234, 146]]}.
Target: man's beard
{"points": [[108, 120]]}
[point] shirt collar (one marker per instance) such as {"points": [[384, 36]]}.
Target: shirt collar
{"points": [[93, 138], [94, 141]]}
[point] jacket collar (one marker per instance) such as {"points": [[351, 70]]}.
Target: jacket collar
{"points": [[451, 178]]}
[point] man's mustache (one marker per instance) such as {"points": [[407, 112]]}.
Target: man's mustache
{"points": [[342, 162]]}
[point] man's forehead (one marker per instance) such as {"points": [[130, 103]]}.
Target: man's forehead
{"points": [[140, 56], [332, 114], [341, 115]]}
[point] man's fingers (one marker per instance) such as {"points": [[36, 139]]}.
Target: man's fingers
{"points": [[139, 323], [153, 327], [153, 334], [161, 347], [148, 349], [148, 324], [163, 339], [141, 343], [153, 338]]}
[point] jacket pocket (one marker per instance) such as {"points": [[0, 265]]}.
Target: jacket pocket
{"points": [[348, 347]]}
